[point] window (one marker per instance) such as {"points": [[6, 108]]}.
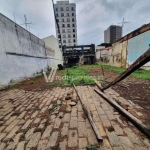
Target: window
{"points": [[73, 30], [72, 14], [69, 35], [63, 25], [67, 14], [68, 25], [62, 14], [59, 46], [72, 19], [73, 25], [74, 40], [64, 41], [62, 20], [68, 30], [63, 30], [67, 8], [56, 15], [64, 36], [74, 35], [56, 9], [61, 9], [57, 20], [69, 41], [68, 20], [58, 36], [72, 8]]}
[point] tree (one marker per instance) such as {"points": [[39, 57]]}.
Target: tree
{"points": [[105, 44]]}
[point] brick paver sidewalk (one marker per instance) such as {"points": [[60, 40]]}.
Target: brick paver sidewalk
{"points": [[44, 120]]}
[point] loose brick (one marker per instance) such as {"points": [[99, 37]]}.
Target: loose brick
{"points": [[74, 112], [29, 134], [20, 146], [80, 116], [2, 135], [113, 138], [12, 133], [66, 118], [34, 114], [63, 145], [27, 124], [34, 140], [47, 132], [57, 123], [13, 144], [9, 128], [132, 136], [82, 131], [73, 122], [2, 146], [72, 139], [42, 145], [10, 120], [126, 143], [82, 143], [64, 130], [52, 140]]}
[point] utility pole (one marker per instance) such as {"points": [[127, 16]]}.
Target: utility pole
{"points": [[26, 23], [123, 23]]}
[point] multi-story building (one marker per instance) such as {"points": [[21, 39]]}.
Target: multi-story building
{"points": [[66, 18], [112, 34]]}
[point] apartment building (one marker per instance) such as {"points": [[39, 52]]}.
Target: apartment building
{"points": [[66, 18], [112, 34]]}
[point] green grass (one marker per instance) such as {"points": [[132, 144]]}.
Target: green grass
{"points": [[78, 76], [141, 74]]}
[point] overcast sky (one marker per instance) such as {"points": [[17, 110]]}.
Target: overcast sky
{"points": [[93, 16]]}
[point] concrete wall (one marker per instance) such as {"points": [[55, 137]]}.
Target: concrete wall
{"points": [[97, 51], [119, 52], [137, 46], [130, 47], [21, 53], [53, 51]]}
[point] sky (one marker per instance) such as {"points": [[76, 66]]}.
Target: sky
{"points": [[93, 16]]}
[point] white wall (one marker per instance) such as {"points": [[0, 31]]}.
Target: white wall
{"points": [[97, 52], [52, 43], [16, 41]]}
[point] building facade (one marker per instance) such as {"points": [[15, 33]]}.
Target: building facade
{"points": [[112, 34], [53, 51], [66, 18]]}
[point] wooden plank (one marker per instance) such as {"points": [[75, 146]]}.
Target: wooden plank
{"points": [[143, 59], [133, 119], [97, 133]]}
